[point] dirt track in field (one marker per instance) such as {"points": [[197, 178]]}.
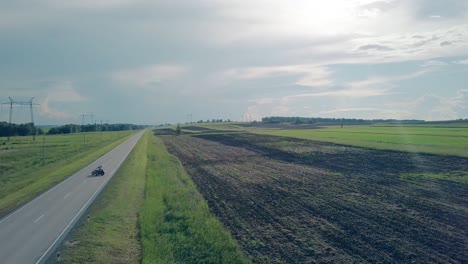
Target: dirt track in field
{"points": [[297, 201]]}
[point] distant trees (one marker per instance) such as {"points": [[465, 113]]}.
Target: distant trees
{"points": [[72, 128], [339, 121], [213, 121], [10, 130], [66, 129], [178, 130]]}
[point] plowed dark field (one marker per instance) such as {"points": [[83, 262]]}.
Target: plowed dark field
{"points": [[297, 201]]}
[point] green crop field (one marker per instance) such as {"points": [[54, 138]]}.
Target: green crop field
{"points": [[439, 140], [434, 139], [29, 167]]}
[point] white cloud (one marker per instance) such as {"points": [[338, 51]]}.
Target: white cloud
{"points": [[353, 92], [434, 63], [90, 4], [255, 42], [370, 31], [434, 107], [465, 61], [376, 86], [307, 75], [288, 105], [59, 92], [386, 81], [63, 91], [361, 109], [47, 110], [417, 45], [149, 75]]}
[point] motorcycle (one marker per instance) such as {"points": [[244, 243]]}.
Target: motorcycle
{"points": [[98, 172]]}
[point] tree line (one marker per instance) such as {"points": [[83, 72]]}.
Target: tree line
{"points": [[73, 128], [320, 120], [350, 121], [28, 129], [10, 130]]}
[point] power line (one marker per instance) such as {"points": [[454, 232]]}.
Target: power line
{"points": [[86, 115], [82, 125], [14, 102]]}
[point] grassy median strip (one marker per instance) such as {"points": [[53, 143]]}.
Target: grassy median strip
{"points": [[176, 224], [111, 234], [27, 179]]}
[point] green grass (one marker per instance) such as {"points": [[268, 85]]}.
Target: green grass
{"points": [[151, 212], [455, 176], [111, 234], [176, 224], [433, 140], [22, 174]]}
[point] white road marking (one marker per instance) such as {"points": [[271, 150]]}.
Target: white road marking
{"points": [[85, 206], [67, 195], [98, 161], [35, 221]]}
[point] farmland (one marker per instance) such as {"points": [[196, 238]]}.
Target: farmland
{"points": [[447, 139], [420, 139], [29, 167], [286, 199]]}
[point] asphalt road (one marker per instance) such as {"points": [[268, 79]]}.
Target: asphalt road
{"points": [[31, 233]]}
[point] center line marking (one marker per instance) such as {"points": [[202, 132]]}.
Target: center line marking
{"points": [[66, 195], [35, 221]]}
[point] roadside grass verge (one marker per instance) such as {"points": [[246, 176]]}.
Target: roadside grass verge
{"points": [[111, 235], [176, 224], [26, 179]]}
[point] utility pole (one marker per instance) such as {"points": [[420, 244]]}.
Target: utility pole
{"points": [[43, 150], [13, 102], [11, 109], [82, 125], [30, 103], [100, 128]]}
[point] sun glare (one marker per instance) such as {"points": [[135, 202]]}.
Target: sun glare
{"points": [[310, 17]]}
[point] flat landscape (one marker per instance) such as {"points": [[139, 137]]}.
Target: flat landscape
{"points": [[239, 193], [286, 199], [418, 139]]}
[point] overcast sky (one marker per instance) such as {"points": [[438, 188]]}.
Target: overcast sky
{"points": [[148, 61]]}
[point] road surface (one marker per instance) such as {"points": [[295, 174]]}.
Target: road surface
{"points": [[31, 233]]}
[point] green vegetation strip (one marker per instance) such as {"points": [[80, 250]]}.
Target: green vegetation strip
{"points": [[111, 233], [25, 184], [455, 176], [151, 212], [176, 225], [432, 140]]}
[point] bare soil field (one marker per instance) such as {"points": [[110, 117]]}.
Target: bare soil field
{"points": [[297, 201]]}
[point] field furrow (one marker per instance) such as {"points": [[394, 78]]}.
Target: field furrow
{"points": [[291, 200]]}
